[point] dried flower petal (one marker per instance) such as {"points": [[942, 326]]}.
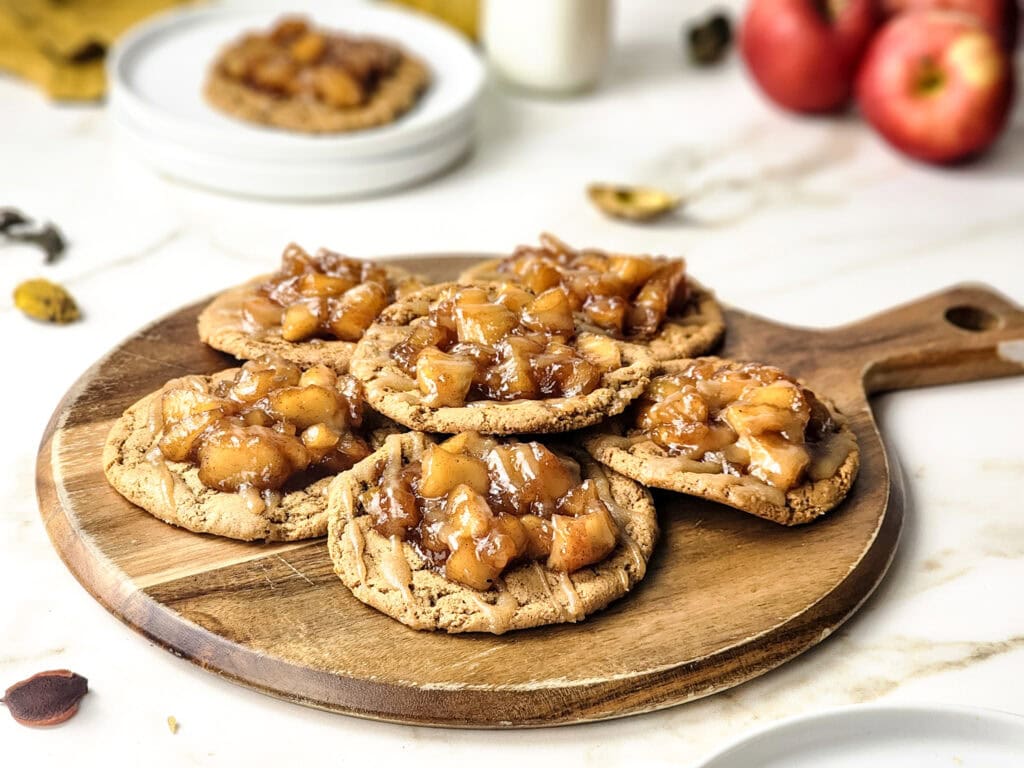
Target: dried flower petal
{"points": [[43, 300], [47, 698]]}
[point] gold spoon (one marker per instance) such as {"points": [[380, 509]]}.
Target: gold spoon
{"points": [[621, 201]]}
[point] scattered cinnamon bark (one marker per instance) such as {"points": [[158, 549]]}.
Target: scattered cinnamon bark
{"points": [[16, 227], [708, 40], [47, 698]]}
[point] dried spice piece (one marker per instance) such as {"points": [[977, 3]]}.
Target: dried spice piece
{"points": [[632, 203], [18, 228], [47, 698], [707, 42], [10, 218], [43, 300]]}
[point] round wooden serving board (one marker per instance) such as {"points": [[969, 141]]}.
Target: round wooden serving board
{"points": [[727, 596]]}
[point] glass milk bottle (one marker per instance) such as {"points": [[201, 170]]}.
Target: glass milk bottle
{"points": [[549, 46]]}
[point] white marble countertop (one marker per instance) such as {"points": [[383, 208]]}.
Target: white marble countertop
{"points": [[815, 222]]}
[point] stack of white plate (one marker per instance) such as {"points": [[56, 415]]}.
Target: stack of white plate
{"points": [[156, 82]]}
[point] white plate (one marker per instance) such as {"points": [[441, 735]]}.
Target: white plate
{"points": [[880, 736], [296, 181], [157, 73]]}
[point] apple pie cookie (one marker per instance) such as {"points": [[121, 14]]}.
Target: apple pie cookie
{"points": [[743, 434], [477, 534], [648, 300], [246, 453], [494, 358], [315, 81], [311, 311]]}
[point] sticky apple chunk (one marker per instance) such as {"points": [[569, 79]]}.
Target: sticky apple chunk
{"points": [[538, 536], [601, 351], [180, 439], [253, 383], [581, 541], [578, 498], [256, 456], [304, 406], [549, 313], [443, 471], [466, 568], [301, 320], [318, 375], [633, 270], [483, 323], [471, 518], [443, 379], [184, 401], [352, 314], [260, 312], [775, 460], [511, 378]]}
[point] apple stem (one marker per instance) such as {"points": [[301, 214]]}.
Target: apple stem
{"points": [[929, 78]]}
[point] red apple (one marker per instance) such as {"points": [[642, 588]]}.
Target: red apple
{"points": [[1000, 17], [936, 85], [804, 53]]}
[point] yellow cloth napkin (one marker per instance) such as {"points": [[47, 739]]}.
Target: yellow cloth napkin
{"points": [[60, 44], [464, 15]]}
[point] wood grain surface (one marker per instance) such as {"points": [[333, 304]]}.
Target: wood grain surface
{"points": [[727, 596]]}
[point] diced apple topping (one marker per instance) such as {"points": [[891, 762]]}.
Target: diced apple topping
{"points": [[443, 379], [327, 295], [599, 350], [550, 313], [482, 323], [474, 506], [269, 423], [626, 296], [580, 541], [444, 469], [501, 342], [748, 418], [292, 58]]}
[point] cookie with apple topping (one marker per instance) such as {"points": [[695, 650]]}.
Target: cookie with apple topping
{"points": [[649, 300], [301, 78], [478, 534], [743, 434], [312, 310], [495, 358], [247, 453]]}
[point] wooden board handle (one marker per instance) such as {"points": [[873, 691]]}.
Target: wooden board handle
{"points": [[963, 333]]}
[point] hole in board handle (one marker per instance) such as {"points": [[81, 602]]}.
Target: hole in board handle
{"points": [[974, 319]]}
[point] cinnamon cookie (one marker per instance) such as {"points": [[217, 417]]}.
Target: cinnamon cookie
{"points": [[648, 300], [247, 453], [481, 535], [311, 311], [314, 81], [494, 358], [742, 434]]}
